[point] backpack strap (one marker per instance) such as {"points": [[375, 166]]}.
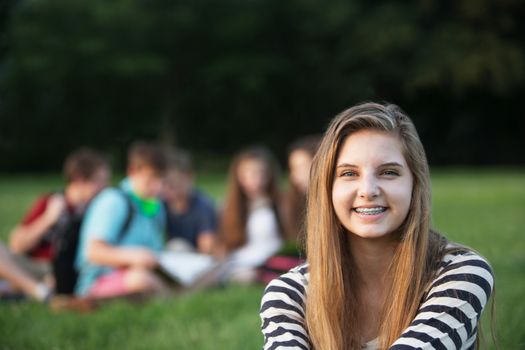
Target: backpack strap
{"points": [[129, 217]]}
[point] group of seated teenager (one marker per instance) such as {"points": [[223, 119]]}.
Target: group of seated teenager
{"points": [[94, 241]]}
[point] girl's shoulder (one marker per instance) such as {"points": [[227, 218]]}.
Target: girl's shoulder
{"points": [[285, 296], [295, 280], [456, 255], [463, 265], [299, 273]]}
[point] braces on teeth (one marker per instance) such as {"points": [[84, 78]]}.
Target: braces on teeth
{"points": [[370, 210]]}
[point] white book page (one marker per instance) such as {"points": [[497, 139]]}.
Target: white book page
{"points": [[186, 267]]}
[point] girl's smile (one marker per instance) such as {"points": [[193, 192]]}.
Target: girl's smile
{"points": [[371, 212]]}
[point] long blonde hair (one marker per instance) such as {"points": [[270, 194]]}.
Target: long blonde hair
{"points": [[332, 304]]}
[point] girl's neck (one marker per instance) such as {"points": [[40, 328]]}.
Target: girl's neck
{"points": [[372, 258], [258, 202]]}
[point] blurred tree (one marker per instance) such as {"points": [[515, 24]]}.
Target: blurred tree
{"points": [[215, 75], [78, 72]]}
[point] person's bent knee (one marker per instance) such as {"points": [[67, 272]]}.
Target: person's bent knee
{"points": [[141, 280]]}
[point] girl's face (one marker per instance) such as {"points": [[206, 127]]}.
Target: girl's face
{"points": [[253, 177], [299, 163], [372, 188]]}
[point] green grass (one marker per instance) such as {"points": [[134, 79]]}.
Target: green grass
{"points": [[482, 208], [215, 319], [485, 209]]}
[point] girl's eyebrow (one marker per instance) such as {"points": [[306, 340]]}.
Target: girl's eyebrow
{"points": [[347, 165], [394, 164]]}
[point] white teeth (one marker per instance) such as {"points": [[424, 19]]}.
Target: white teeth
{"points": [[370, 211]]}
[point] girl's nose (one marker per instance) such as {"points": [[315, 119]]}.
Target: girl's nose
{"points": [[368, 187]]}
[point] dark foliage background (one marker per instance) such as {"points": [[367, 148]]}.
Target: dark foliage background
{"points": [[213, 76]]}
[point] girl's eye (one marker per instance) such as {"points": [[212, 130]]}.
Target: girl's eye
{"points": [[348, 173], [390, 173]]}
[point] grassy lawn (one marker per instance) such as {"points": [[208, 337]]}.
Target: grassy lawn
{"points": [[482, 208]]}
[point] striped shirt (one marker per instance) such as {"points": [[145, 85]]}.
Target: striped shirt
{"points": [[446, 319]]}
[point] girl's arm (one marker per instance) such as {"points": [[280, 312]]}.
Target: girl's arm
{"points": [[282, 312], [448, 317]]}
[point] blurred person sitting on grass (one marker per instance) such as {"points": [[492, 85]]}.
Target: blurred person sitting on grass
{"points": [[300, 155], [33, 242], [123, 230], [191, 215], [250, 222]]}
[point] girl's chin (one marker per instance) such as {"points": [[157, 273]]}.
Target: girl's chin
{"points": [[371, 234]]}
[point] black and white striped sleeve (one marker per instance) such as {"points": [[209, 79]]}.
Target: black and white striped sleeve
{"points": [[448, 316], [282, 312]]}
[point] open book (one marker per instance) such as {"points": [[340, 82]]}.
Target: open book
{"points": [[185, 268]]}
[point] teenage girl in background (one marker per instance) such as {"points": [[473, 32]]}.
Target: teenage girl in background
{"points": [[250, 225], [300, 156]]}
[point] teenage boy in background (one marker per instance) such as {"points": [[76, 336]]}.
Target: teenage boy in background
{"points": [[32, 242], [192, 219], [123, 230]]}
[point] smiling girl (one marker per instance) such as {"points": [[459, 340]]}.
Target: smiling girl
{"points": [[377, 276]]}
